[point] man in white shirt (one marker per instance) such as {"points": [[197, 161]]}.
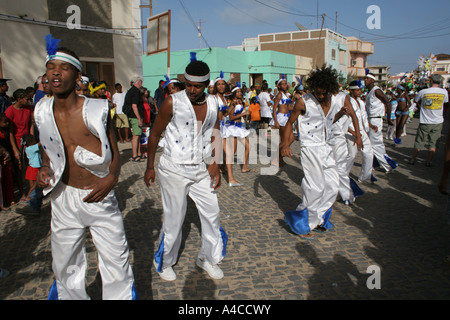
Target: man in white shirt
{"points": [[121, 119], [265, 102], [431, 102]]}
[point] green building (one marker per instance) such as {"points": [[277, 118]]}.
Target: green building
{"points": [[249, 67]]}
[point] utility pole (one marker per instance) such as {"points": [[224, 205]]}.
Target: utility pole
{"points": [[335, 28], [200, 31]]}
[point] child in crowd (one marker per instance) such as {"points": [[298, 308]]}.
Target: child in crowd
{"points": [[255, 114], [34, 161]]}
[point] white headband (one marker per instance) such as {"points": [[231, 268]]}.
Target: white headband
{"points": [[197, 78], [66, 58], [354, 88], [370, 76], [235, 89]]}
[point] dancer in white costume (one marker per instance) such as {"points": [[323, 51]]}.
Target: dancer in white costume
{"points": [[81, 165], [321, 180], [220, 89], [235, 129], [377, 106], [364, 126], [348, 189], [187, 168]]}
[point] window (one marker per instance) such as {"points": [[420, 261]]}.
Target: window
{"points": [[333, 54], [101, 71]]}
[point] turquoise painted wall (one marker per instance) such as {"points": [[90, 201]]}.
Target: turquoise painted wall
{"points": [[269, 63]]}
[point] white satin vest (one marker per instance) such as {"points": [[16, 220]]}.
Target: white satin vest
{"points": [[185, 142], [374, 106], [95, 116]]}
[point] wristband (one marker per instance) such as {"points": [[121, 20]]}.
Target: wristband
{"points": [[45, 166]]}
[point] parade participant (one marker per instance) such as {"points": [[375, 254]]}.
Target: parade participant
{"points": [[281, 110], [377, 106], [236, 129], [348, 189], [82, 87], [186, 167], [404, 103], [220, 89], [364, 126], [431, 103], [80, 166], [390, 130], [321, 180]]}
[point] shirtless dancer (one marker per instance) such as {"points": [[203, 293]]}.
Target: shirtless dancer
{"points": [[81, 165]]}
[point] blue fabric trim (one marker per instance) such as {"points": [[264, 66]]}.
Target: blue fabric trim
{"points": [[159, 254], [376, 164], [134, 295], [372, 178], [391, 162], [53, 295], [326, 220], [225, 241], [355, 188], [298, 221]]}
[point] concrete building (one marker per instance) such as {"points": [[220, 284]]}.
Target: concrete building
{"points": [[357, 57], [250, 67], [103, 35], [381, 73], [323, 46], [442, 67]]}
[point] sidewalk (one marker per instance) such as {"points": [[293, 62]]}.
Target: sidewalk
{"points": [[397, 227]]}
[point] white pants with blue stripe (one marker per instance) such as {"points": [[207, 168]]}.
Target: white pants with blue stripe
{"points": [[176, 183]]}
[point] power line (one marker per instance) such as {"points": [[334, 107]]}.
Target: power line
{"points": [[193, 22]]}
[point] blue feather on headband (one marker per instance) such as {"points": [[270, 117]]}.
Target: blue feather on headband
{"points": [[51, 44], [193, 56], [166, 83], [221, 74], [367, 71], [359, 82]]}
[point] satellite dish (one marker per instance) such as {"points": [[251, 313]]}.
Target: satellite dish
{"points": [[300, 27]]}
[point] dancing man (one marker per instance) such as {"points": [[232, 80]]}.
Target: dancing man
{"points": [[186, 167], [378, 105], [321, 179], [80, 167]]}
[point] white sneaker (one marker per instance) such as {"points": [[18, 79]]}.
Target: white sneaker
{"points": [[213, 270], [166, 274]]}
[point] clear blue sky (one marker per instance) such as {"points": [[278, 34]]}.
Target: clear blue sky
{"points": [[408, 30]]}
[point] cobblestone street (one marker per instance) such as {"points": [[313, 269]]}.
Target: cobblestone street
{"points": [[399, 226]]}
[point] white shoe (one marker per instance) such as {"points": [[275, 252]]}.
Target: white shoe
{"points": [[166, 274], [213, 270]]}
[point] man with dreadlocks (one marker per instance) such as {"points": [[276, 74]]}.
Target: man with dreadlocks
{"points": [[318, 109], [190, 120]]}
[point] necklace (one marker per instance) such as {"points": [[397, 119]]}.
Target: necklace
{"points": [[197, 103]]}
